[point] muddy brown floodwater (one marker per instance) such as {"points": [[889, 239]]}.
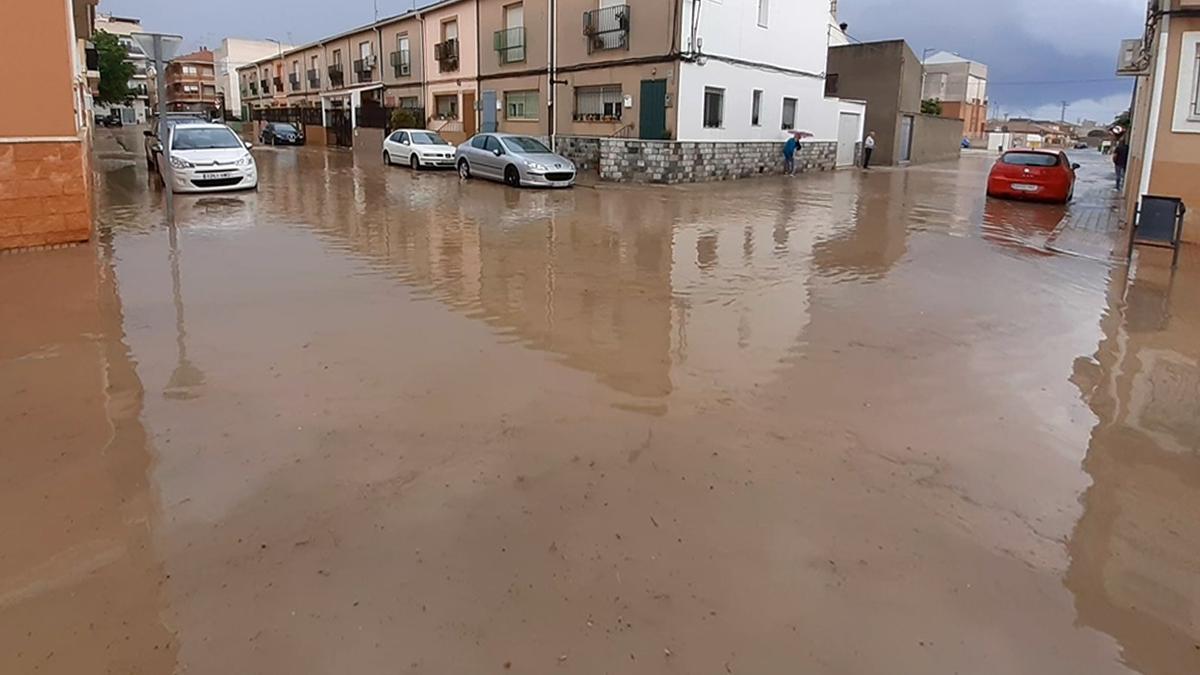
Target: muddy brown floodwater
{"points": [[365, 421]]}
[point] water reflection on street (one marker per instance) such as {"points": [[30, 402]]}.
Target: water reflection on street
{"points": [[371, 420]]}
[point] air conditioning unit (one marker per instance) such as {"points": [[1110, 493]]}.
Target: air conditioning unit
{"points": [[1130, 61]]}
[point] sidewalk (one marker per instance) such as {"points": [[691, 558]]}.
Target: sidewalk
{"points": [[1092, 227]]}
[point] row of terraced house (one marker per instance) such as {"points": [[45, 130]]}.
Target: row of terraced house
{"points": [[731, 75]]}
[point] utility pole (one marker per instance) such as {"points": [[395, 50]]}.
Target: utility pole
{"points": [[162, 49], [1065, 105]]}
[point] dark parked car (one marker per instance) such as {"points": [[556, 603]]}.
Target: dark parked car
{"points": [[151, 134], [111, 120], [281, 133]]}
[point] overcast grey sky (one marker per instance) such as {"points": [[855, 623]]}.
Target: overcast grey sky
{"points": [[1040, 52]]}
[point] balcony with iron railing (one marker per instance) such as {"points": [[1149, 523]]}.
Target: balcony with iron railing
{"points": [[607, 28], [294, 81], [314, 79], [265, 85], [254, 89], [510, 44], [337, 76], [278, 84], [401, 63], [446, 54], [364, 67]]}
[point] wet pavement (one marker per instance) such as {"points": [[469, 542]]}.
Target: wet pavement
{"points": [[371, 421]]}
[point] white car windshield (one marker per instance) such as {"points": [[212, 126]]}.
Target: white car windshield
{"points": [[427, 138], [525, 144], [204, 139]]}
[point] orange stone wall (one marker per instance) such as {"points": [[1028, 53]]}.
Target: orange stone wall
{"points": [[44, 194]]}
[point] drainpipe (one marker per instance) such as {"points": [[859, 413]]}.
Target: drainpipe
{"points": [[1160, 71], [478, 111], [424, 87], [551, 67]]}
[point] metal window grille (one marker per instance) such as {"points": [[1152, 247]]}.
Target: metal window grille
{"points": [[598, 103], [521, 105], [510, 43]]}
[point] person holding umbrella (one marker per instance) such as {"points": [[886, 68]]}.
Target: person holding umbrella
{"points": [[789, 150]]}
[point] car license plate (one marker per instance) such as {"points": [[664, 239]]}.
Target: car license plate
{"points": [[1025, 187], [218, 175]]}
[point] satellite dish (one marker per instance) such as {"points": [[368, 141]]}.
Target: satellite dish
{"points": [[169, 44]]}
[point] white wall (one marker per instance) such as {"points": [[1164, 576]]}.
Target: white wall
{"points": [[233, 54], [796, 39], [814, 112], [796, 36]]}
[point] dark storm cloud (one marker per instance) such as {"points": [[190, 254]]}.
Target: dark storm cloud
{"points": [[1067, 47], [1039, 52]]}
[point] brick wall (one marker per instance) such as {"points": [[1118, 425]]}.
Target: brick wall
{"points": [[623, 160], [44, 195]]}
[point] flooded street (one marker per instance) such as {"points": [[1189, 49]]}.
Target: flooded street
{"points": [[370, 421]]}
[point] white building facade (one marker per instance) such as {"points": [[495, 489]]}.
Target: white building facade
{"points": [[233, 54], [756, 70], [135, 108]]}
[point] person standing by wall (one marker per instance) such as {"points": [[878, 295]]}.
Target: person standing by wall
{"points": [[868, 149], [1120, 161], [789, 154]]}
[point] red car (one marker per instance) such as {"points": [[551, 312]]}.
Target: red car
{"points": [[1039, 175]]}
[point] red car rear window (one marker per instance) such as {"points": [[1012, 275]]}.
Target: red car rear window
{"points": [[1029, 159]]}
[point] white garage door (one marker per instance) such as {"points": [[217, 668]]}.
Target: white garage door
{"points": [[848, 126]]}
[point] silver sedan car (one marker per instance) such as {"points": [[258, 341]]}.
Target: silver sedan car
{"points": [[517, 160]]}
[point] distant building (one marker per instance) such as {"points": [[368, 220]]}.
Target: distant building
{"points": [[961, 85], [191, 83], [887, 75], [233, 54], [1164, 142], [1022, 132], [134, 109], [45, 149]]}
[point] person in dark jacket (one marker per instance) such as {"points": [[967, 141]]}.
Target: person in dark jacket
{"points": [[1120, 161]]}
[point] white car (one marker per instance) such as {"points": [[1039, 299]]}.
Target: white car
{"points": [[417, 148], [207, 158]]}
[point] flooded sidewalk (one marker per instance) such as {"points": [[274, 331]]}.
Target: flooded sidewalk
{"points": [[367, 420]]}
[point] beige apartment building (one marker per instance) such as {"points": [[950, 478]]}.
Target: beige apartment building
{"points": [[1164, 157], [602, 66], [621, 72], [450, 61]]}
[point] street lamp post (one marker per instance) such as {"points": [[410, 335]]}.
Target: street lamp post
{"points": [[162, 49], [925, 54]]}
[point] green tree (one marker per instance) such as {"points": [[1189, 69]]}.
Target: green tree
{"points": [[115, 71], [406, 118], [1123, 120], [931, 106]]}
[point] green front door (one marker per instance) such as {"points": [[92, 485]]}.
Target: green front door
{"points": [[652, 122]]}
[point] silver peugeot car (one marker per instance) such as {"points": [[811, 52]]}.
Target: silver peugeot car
{"points": [[517, 160]]}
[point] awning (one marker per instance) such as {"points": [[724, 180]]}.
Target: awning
{"points": [[350, 91]]}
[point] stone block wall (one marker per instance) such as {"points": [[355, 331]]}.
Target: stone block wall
{"points": [[627, 161], [583, 150], [45, 194]]}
